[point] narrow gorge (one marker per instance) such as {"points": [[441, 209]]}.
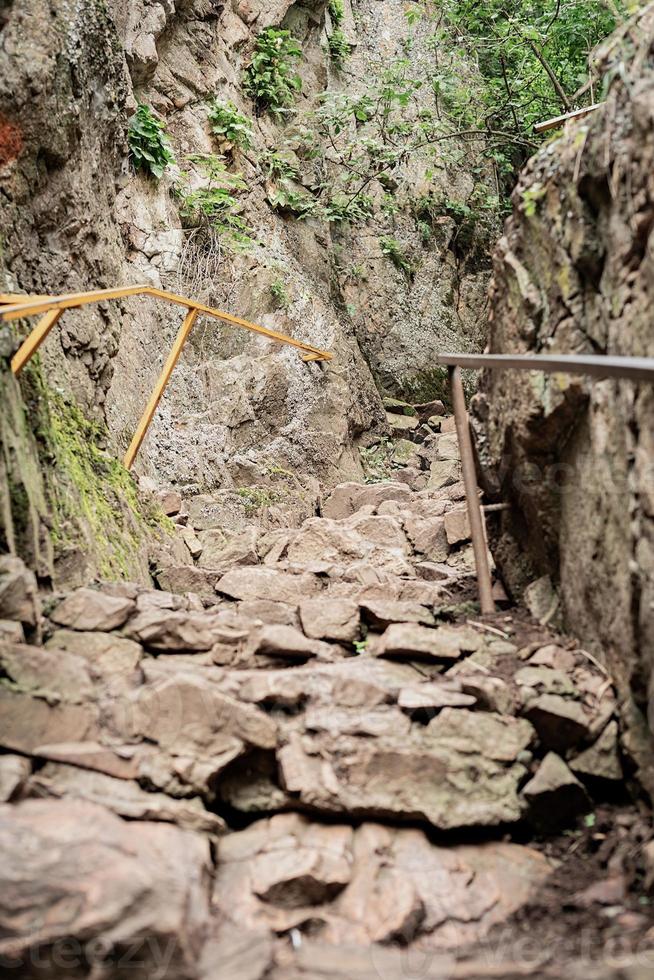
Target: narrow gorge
{"points": [[257, 721]]}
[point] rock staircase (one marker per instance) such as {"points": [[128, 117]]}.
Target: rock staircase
{"points": [[304, 756]]}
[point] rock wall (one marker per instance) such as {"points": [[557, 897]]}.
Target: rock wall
{"points": [[573, 274], [75, 216]]}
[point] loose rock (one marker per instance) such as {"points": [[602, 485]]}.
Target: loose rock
{"points": [[555, 796]]}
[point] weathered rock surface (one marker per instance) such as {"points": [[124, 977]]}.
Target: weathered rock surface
{"points": [[311, 688], [571, 458], [555, 796], [370, 885], [87, 609], [104, 887]]}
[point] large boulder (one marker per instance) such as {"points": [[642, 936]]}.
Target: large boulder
{"points": [[109, 892]]}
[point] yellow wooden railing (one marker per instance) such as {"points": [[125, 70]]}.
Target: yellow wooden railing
{"points": [[51, 308]]}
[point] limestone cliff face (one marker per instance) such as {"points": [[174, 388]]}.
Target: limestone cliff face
{"points": [[75, 216], [574, 274]]}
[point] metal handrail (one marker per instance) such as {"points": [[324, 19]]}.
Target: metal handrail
{"points": [[51, 308], [591, 365]]}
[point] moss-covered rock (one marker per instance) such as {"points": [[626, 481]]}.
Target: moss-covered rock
{"points": [[67, 505]]}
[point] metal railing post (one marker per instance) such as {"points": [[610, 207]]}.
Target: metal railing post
{"points": [[160, 387], [472, 493]]}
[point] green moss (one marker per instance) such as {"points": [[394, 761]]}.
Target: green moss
{"points": [[256, 498], [93, 500]]}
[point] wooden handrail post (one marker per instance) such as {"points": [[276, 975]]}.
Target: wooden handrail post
{"points": [[472, 493], [30, 346], [160, 387]]}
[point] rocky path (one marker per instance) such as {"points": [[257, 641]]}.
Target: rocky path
{"points": [[304, 756]]}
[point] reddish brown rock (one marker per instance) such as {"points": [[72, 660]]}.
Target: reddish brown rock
{"points": [[88, 609], [124, 797], [14, 773], [11, 631], [286, 642], [103, 885], [371, 884], [428, 536], [330, 619], [166, 630], [460, 771], [18, 591], [560, 722], [443, 644], [380, 614], [182, 579], [434, 696], [602, 760], [105, 653], [457, 527], [170, 502], [268, 583], [347, 498], [554, 795]]}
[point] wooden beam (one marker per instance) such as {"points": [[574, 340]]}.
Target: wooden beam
{"points": [[74, 300], [13, 299], [30, 346], [561, 120], [160, 387]]}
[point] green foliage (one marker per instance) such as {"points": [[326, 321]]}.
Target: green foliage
{"points": [[214, 204], [287, 200], [376, 461], [93, 502], [475, 218], [354, 209], [149, 147], [270, 79], [367, 136], [338, 44], [533, 56], [392, 249], [228, 123], [279, 294], [339, 47], [336, 10], [433, 385], [257, 499], [278, 165]]}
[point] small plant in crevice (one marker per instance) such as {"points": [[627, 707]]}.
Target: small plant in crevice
{"points": [[475, 219], [229, 124], [276, 164], [336, 10], [354, 209], [279, 294], [531, 198], [339, 47], [287, 200], [149, 146], [213, 205], [392, 249], [270, 79]]}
